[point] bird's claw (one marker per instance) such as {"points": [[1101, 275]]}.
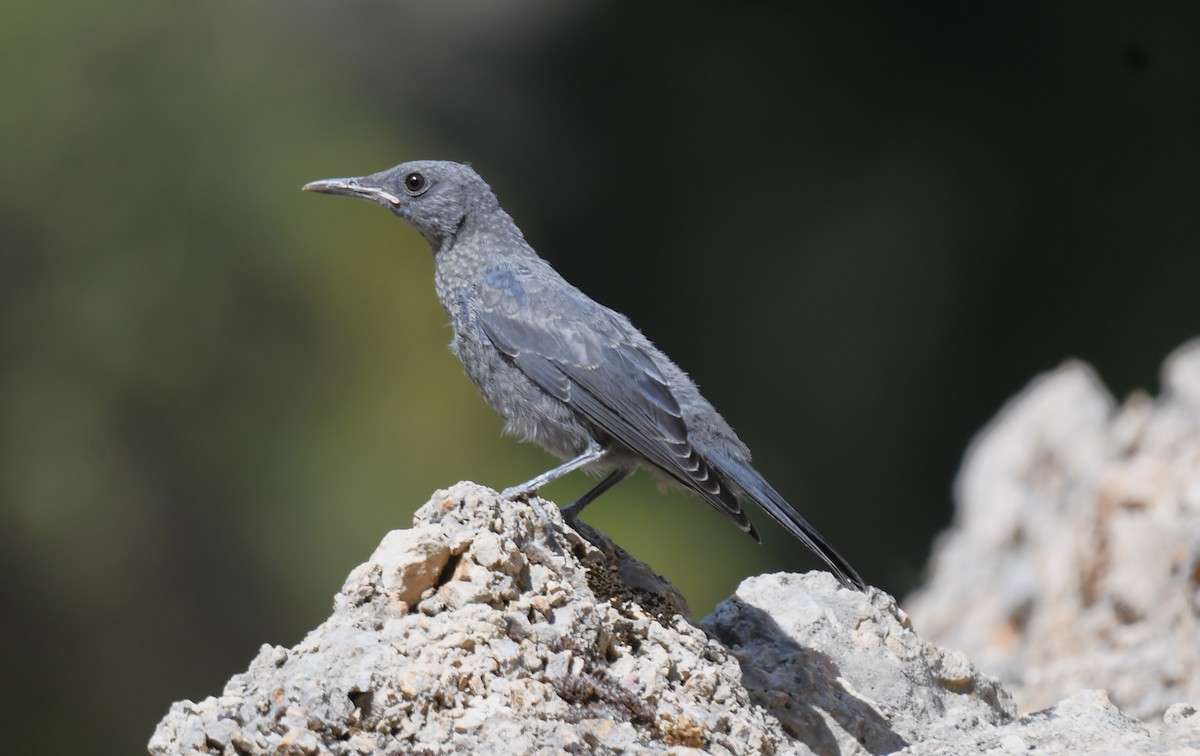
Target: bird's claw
{"points": [[516, 493]]}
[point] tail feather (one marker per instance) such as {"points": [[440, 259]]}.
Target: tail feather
{"points": [[758, 489]]}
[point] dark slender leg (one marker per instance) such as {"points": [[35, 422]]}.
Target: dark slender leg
{"points": [[571, 511]]}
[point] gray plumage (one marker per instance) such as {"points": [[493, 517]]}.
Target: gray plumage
{"points": [[562, 370]]}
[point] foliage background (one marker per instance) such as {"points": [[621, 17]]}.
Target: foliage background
{"points": [[861, 228]]}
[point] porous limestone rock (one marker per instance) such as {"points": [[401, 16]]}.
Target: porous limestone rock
{"points": [[491, 627], [1087, 722], [1074, 560]]}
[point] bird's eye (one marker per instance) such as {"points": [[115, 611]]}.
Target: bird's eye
{"points": [[415, 183]]}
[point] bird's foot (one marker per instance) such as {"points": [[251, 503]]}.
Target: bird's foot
{"points": [[570, 514], [547, 523], [573, 523], [518, 493]]}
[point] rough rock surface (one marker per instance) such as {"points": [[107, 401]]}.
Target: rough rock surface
{"points": [[491, 627], [1074, 561], [1084, 723], [480, 630]]}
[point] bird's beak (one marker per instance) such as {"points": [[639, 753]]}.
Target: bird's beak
{"points": [[353, 187]]}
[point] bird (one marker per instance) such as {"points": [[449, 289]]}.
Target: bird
{"points": [[563, 370]]}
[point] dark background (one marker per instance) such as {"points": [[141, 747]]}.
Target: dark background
{"points": [[861, 229]]}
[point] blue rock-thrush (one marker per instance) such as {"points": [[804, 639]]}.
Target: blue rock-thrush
{"points": [[563, 370]]}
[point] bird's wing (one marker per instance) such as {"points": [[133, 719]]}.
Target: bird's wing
{"points": [[580, 353]]}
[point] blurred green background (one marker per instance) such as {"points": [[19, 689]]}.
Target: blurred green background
{"points": [[859, 228]]}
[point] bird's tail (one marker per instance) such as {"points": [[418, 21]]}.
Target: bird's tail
{"points": [[758, 489]]}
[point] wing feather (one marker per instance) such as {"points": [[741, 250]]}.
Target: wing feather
{"points": [[587, 356]]}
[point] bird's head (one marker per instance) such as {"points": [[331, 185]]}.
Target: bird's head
{"points": [[435, 197]]}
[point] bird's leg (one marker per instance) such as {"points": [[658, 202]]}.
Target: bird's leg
{"points": [[594, 452], [571, 512]]}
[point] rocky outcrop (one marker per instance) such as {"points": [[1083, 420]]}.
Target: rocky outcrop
{"points": [[1074, 560], [491, 627]]}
